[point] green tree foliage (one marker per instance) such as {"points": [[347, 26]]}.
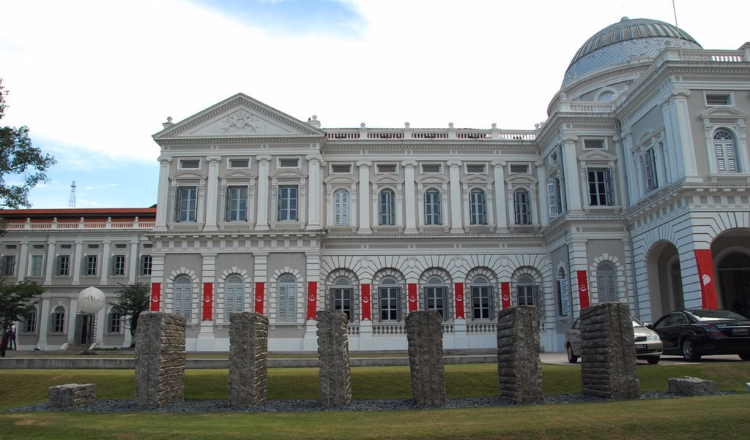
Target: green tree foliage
{"points": [[17, 301], [21, 160], [132, 300]]}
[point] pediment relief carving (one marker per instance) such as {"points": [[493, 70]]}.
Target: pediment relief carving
{"points": [[723, 112], [431, 178], [386, 179], [521, 179], [238, 174], [188, 175], [339, 179], [288, 174], [477, 179], [596, 156]]}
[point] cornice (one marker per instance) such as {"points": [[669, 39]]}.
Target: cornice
{"points": [[236, 140], [432, 146]]}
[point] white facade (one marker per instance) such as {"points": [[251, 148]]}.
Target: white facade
{"points": [[634, 189]]}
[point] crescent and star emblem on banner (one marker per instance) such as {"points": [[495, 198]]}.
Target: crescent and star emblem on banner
{"points": [[365, 300], [506, 297], [412, 298], [155, 299], [311, 298], [207, 299], [582, 288], [459, 298], [259, 298]]}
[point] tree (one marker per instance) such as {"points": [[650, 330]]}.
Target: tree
{"points": [[19, 159], [132, 300], [17, 301]]}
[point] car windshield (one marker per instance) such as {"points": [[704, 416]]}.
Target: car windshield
{"points": [[717, 315]]}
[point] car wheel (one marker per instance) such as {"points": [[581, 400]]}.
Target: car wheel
{"points": [[571, 357], [745, 356], [689, 352], [653, 360]]}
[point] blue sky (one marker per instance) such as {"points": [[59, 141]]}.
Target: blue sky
{"points": [[94, 80]]}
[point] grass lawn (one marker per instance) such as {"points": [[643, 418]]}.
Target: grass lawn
{"points": [[715, 417]]}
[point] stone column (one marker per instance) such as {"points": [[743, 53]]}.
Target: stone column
{"points": [[364, 196], [159, 360], [24, 258], [333, 353], [519, 367], [608, 366], [572, 181], [456, 205], [263, 173], [543, 202], [500, 202], [106, 257], [133, 266], [162, 196], [212, 193], [313, 219], [248, 359], [410, 216], [77, 262], [51, 261], [424, 333]]}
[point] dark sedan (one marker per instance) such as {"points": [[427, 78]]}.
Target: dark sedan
{"points": [[694, 333]]}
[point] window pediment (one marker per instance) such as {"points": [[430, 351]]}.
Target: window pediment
{"points": [[477, 179], [432, 178], [289, 174], [387, 179], [723, 112], [340, 179], [238, 175], [521, 180], [596, 156], [188, 175]]}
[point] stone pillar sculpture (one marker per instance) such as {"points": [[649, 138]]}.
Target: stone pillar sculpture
{"points": [[608, 366], [248, 359], [333, 354], [424, 333], [159, 359], [519, 367]]}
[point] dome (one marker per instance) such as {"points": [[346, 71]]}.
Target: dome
{"points": [[624, 40]]}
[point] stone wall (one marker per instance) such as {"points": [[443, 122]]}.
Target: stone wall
{"points": [[248, 359], [519, 367], [72, 395], [159, 359], [608, 366], [333, 354], [424, 333]]}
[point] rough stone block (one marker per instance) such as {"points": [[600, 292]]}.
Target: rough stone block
{"points": [[159, 359], [72, 395], [424, 333], [333, 354], [248, 359], [519, 366], [692, 386]]}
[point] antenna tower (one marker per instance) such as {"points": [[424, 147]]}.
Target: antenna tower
{"points": [[72, 200]]}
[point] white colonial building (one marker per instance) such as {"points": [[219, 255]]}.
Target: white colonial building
{"points": [[635, 189]]}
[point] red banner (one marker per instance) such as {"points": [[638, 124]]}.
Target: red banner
{"points": [[460, 301], [505, 294], [208, 301], [366, 305], [412, 288], [583, 288], [706, 276], [155, 296], [260, 296], [312, 300]]}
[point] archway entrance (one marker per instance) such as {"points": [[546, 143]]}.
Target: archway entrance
{"points": [[664, 279], [734, 283]]}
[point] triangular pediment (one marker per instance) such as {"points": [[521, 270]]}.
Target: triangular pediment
{"points": [[239, 116], [596, 155], [387, 179], [723, 112]]}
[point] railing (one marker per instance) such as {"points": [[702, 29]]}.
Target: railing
{"points": [[406, 133], [82, 224], [482, 328], [389, 330], [352, 330], [716, 56]]}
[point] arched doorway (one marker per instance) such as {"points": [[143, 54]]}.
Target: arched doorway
{"points": [[734, 282], [664, 279]]}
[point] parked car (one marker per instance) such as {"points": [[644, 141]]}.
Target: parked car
{"points": [[648, 346], [699, 332]]}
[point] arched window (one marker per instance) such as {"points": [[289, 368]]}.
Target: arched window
{"points": [[478, 205], [527, 291], [341, 208], [435, 296], [432, 208], [387, 207], [234, 292], [522, 207], [606, 279], [115, 321], [29, 323], [58, 320], [341, 295], [482, 298], [389, 294], [726, 152], [287, 298], [183, 296]]}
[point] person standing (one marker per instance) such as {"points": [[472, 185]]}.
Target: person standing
{"points": [[12, 343]]}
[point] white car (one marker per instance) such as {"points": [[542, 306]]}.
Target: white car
{"points": [[648, 346]]}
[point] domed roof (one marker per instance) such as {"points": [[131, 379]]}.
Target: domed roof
{"points": [[621, 41]]}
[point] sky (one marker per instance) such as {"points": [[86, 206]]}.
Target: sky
{"points": [[94, 80]]}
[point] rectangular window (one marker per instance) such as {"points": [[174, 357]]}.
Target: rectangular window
{"points": [[115, 321], [435, 300], [118, 265], [146, 264], [289, 163], [519, 169], [8, 265], [478, 205], [475, 168], [239, 163], [528, 295], [387, 204], [341, 169], [93, 246], [432, 208], [190, 164], [648, 161], [593, 143], [341, 208], [431, 168], [553, 198], [236, 210], [563, 303], [386, 168], [37, 262], [287, 306], [10, 246], [389, 303], [342, 300], [186, 205], [91, 261], [482, 302], [29, 324], [63, 264], [718, 99], [522, 207], [600, 187], [288, 203]]}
